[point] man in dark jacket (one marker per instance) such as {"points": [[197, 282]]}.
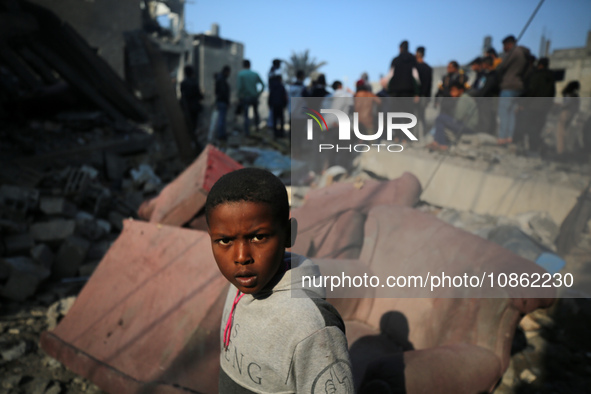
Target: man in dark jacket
{"points": [[540, 90], [405, 80], [489, 88], [477, 67], [405, 76], [426, 78], [277, 102], [454, 75], [191, 97], [222, 100]]}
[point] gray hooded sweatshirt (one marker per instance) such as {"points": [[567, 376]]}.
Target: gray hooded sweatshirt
{"points": [[285, 340]]}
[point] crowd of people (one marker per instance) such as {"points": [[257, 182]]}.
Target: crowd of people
{"points": [[519, 91]]}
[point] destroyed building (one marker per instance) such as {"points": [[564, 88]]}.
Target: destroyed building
{"points": [[98, 215]]}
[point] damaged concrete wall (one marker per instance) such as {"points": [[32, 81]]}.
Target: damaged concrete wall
{"points": [[101, 23]]}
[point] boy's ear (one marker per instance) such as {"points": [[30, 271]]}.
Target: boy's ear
{"points": [[292, 230]]}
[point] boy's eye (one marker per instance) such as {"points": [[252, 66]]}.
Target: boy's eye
{"points": [[224, 241], [259, 237]]}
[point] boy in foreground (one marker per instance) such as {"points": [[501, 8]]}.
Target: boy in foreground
{"points": [[277, 337]]}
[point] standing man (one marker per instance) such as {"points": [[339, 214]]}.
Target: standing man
{"points": [[222, 101], [249, 93], [274, 74], [540, 90], [511, 71], [478, 68], [426, 78], [488, 86], [405, 81], [454, 75], [191, 97]]}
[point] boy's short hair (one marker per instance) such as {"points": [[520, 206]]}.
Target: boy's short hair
{"points": [[250, 185]]}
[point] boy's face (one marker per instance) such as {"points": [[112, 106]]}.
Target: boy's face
{"points": [[248, 243]]}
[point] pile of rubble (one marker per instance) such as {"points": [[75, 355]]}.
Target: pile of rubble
{"points": [[61, 227]]}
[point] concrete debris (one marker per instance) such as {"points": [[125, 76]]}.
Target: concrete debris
{"points": [[13, 352], [70, 256], [55, 231], [24, 277], [527, 376], [42, 255], [16, 244], [18, 199], [538, 226], [58, 310], [144, 175], [57, 206]]}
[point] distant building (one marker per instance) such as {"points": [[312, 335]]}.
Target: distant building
{"points": [[210, 54]]}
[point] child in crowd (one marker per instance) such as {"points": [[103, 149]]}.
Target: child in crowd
{"points": [[277, 337]]}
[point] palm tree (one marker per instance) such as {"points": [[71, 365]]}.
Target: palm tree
{"points": [[301, 61]]}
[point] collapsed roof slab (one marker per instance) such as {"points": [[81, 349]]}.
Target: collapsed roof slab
{"points": [[184, 197], [326, 207], [148, 319], [470, 185]]}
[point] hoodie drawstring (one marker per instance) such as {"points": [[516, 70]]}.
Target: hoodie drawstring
{"points": [[228, 329], [237, 297]]}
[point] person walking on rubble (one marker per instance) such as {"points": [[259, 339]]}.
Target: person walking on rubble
{"points": [[222, 101], [249, 93], [191, 97], [511, 72]]}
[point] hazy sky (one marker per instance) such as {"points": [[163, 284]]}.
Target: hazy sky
{"points": [[355, 36]]}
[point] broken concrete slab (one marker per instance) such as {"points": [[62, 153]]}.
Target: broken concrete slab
{"points": [[53, 231], [90, 229], [151, 323], [323, 207], [483, 186], [70, 256], [42, 255], [184, 197], [18, 199], [24, 277], [57, 206], [16, 244], [395, 239]]}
